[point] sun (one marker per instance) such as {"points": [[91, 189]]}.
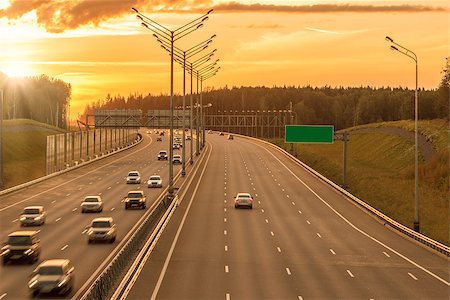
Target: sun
{"points": [[17, 69]]}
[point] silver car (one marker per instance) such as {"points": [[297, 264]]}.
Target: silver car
{"points": [[92, 204], [154, 181], [243, 200], [134, 177], [177, 159], [102, 229], [32, 215], [54, 276]]}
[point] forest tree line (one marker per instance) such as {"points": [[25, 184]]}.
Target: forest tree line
{"points": [[39, 98], [342, 106]]}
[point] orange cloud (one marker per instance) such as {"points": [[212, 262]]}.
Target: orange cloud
{"points": [[58, 16]]}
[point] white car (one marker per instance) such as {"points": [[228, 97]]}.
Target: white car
{"points": [[177, 159], [243, 200], [133, 177], [102, 229], [92, 203], [154, 181], [32, 215], [162, 155]]}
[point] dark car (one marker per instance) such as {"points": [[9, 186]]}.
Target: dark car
{"points": [[135, 199], [54, 276], [21, 245]]}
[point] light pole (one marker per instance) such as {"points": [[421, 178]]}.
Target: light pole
{"points": [[413, 56], [203, 77], [170, 37], [180, 56]]}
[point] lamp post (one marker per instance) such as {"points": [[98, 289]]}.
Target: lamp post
{"points": [[180, 56], [413, 56], [203, 77], [170, 37], [1, 140]]}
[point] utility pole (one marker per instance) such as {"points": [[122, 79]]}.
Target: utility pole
{"points": [[1, 140]]}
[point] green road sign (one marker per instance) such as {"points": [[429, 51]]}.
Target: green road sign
{"points": [[309, 134]]}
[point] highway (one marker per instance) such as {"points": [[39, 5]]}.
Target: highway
{"points": [[64, 234], [301, 240]]}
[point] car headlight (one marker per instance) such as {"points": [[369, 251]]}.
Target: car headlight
{"points": [[90, 232], [32, 284], [23, 218], [5, 252], [37, 218], [62, 282], [110, 232], [28, 252]]}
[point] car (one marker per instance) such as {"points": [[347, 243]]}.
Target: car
{"points": [[162, 155], [221, 133], [188, 138], [243, 200], [102, 229], [133, 177], [21, 246], [53, 276], [135, 198], [148, 132], [154, 181], [176, 146], [159, 139], [230, 137], [177, 159], [32, 215], [92, 204]]}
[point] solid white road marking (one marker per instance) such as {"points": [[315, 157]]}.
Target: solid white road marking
{"points": [[288, 271], [279, 249], [64, 248], [350, 273], [332, 251], [386, 254], [227, 270], [412, 276]]}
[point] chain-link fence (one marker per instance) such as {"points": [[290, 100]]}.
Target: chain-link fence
{"points": [[68, 149]]}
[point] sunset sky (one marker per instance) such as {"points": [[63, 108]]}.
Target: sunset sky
{"points": [[99, 47]]}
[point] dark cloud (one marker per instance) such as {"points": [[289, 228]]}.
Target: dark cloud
{"points": [[60, 15]]}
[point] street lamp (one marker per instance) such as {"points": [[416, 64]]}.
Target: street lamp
{"points": [[180, 57], [413, 56], [170, 37]]}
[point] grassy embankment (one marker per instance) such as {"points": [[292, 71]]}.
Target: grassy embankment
{"points": [[380, 171], [24, 147]]}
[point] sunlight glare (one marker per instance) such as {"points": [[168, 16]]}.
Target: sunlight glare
{"points": [[17, 69]]}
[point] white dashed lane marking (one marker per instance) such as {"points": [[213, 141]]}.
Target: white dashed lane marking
{"points": [[227, 296], [3, 296], [53, 201], [271, 233], [57, 219], [309, 223], [300, 212], [226, 248], [227, 270], [386, 254], [64, 248], [225, 232], [412, 276], [279, 249], [68, 195], [288, 271], [75, 209], [332, 251], [350, 273], [318, 234]]}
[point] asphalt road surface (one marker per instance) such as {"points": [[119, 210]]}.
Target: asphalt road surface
{"points": [[301, 240], [64, 234]]}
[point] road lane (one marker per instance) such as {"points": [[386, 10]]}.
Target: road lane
{"points": [[301, 240], [62, 236]]}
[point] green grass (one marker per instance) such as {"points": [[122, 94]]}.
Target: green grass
{"points": [[380, 171], [24, 147]]}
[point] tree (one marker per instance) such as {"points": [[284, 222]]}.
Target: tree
{"points": [[444, 92]]}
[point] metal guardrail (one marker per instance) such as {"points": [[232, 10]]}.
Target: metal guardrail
{"points": [[43, 178], [423, 239]]}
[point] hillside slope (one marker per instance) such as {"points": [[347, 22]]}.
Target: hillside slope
{"points": [[380, 170], [24, 147]]}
